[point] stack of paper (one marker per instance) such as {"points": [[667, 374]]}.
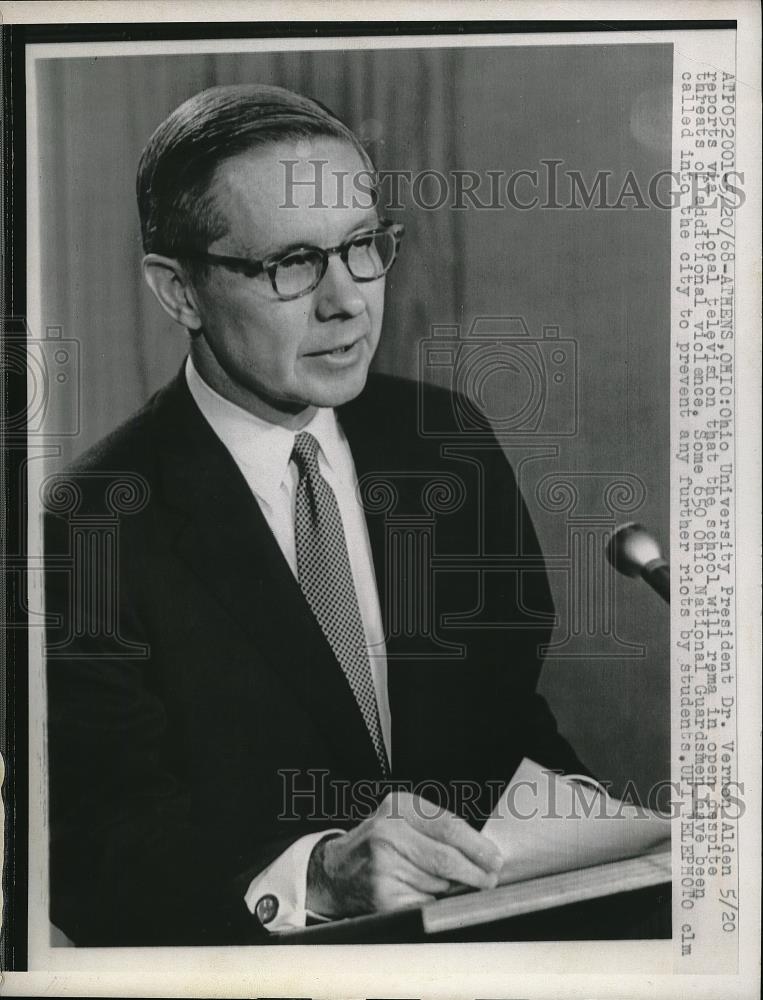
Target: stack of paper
{"points": [[546, 823]]}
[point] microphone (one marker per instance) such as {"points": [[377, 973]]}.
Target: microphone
{"points": [[633, 552]]}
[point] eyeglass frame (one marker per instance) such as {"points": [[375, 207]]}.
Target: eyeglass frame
{"points": [[252, 268]]}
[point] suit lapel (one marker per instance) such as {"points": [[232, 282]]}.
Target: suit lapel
{"points": [[373, 462], [383, 469], [226, 542]]}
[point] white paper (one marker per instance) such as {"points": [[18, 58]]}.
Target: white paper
{"points": [[546, 823]]}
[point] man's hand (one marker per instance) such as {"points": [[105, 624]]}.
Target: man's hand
{"points": [[406, 853]]}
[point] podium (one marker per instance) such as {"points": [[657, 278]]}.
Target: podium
{"points": [[623, 900]]}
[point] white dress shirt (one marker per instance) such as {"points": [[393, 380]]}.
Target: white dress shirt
{"points": [[262, 452]]}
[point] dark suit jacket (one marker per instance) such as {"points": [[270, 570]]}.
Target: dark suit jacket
{"points": [[190, 686]]}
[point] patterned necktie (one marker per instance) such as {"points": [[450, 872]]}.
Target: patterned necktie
{"points": [[325, 577]]}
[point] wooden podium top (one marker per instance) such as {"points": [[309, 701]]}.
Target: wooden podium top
{"points": [[519, 898], [474, 908]]}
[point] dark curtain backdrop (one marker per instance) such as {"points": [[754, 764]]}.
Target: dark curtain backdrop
{"points": [[602, 277]]}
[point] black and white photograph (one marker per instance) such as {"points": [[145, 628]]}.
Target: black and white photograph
{"points": [[375, 576]]}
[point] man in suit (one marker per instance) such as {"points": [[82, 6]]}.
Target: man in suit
{"points": [[258, 713]]}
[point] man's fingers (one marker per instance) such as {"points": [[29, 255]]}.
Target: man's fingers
{"points": [[414, 875], [441, 861], [403, 897], [452, 831], [412, 899]]}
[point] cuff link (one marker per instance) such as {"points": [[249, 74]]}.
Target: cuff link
{"points": [[266, 908]]}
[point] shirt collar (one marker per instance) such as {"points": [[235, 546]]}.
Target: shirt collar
{"points": [[261, 448]]}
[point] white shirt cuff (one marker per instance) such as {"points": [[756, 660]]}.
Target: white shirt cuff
{"points": [[277, 895]]}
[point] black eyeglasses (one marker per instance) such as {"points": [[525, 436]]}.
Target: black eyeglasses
{"points": [[367, 255]]}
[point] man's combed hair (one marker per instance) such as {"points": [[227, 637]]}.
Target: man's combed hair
{"points": [[177, 167]]}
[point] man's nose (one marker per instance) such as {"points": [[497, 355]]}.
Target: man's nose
{"points": [[338, 294]]}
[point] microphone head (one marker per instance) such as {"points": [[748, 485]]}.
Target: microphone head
{"points": [[631, 548]]}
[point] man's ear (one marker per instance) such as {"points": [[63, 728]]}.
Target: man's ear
{"points": [[173, 291]]}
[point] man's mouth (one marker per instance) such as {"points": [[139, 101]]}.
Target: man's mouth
{"points": [[333, 351]]}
